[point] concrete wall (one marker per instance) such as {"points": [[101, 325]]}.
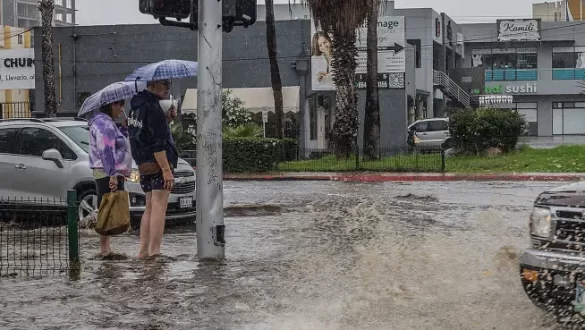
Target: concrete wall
{"points": [[100, 55]]}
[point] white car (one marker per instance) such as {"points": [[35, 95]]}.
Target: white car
{"points": [[431, 133], [44, 158]]}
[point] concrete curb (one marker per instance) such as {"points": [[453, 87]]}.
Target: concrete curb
{"points": [[398, 177]]}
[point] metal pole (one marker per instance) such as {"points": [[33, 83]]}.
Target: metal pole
{"points": [[210, 225], [72, 227]]}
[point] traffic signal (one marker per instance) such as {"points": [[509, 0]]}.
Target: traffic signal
{"points": [[179, 9], [234, 12]]}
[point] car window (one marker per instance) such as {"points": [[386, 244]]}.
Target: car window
{"points": [[79, 135], [438, 125], [35, 141], [9, 141], [421, 127]]}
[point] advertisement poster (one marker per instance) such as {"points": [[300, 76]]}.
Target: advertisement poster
{"points": [[321, 56], [17, 69]]}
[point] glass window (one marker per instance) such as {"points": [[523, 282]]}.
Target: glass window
{"points": [[35, 141], [59, 2], [79, 135], [9, 141], [69, 18], [59, 17], [437, 125], [527, 61], [70, 4], [564, 60], [417, 45], [422, 126]]}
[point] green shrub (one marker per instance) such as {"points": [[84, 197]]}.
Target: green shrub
{"points": [[475, 131], [250, 154]]}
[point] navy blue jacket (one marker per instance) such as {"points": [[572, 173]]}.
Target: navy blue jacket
{"points": [[149, 131]]}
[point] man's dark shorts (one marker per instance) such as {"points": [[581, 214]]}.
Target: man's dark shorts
{"points": [[152, 182]]}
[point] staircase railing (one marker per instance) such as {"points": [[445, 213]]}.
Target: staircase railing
{"points": [[451, 88]]}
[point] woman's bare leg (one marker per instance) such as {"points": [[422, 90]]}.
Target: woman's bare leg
{"points": [[145, 227], [105, 246]]}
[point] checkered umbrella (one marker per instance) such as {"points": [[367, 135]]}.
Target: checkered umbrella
{"points": [[117, 91], [164, 70]]}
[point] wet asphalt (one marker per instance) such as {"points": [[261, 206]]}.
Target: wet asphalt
{"points": [[332, 256]]}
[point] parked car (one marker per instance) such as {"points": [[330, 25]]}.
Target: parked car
{"points": [[553, 268], [44, 158], [432, 133]]}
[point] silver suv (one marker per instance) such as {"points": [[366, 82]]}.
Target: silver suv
{"points": [[432, 133], [43, 158]]}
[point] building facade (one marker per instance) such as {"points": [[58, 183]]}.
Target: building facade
{"points": [[25, 13], [542, 67]]}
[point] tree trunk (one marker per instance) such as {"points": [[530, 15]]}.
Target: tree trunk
{"points": [[344, 63], [372, 113], [47, 7], [274, 70]]}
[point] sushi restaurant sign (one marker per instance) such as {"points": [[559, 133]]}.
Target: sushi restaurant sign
{"points": [[528, 88]]}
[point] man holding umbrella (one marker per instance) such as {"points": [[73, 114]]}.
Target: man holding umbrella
{"points": [[153, 148]]}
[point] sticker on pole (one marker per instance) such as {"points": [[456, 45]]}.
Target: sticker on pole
{"points": [[264, 116]]}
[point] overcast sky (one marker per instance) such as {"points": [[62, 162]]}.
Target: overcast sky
{"points": [[92, 12]]}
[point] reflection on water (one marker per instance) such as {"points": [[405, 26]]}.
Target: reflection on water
{"points": [[341, 256]]}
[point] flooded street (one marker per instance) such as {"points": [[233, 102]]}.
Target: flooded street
{"points": [[340, 256]]}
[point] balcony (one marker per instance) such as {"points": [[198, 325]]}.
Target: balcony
{"points": [[511, 75], [568, 74]]}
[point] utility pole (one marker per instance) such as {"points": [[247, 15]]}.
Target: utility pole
{"points": [[210, 225]]}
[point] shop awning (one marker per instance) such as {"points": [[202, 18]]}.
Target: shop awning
{"points": [[255, 99]]}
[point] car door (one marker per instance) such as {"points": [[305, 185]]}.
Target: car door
{"points": [[35, 177], [437, 131], [421, 129], [8, 156]]}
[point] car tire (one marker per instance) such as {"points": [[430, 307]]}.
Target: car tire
{"points": [[87, 202]]}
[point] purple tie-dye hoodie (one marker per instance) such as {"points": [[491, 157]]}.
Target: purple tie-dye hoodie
{"points": [[109, 147]]}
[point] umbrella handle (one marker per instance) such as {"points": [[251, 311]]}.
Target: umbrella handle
{"points": [[136, 84]]}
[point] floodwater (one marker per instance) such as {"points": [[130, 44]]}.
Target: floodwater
{"points": [[339, 256]]}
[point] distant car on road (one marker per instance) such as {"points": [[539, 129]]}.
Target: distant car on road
{"points": [[431, 134], [43, 158]]}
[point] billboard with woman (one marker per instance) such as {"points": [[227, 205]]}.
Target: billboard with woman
{"points": [[321, 57]]}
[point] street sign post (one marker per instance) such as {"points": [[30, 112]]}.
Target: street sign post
{"points": [[264, 121]]}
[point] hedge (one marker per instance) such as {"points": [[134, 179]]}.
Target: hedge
{"points": [[256, 154], [475, 131]]}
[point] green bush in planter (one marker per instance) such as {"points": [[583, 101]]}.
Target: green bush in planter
{"points": [[250, 154], [475, 131]]}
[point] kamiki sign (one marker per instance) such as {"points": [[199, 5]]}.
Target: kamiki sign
{"points": [[528, 88], [521, 29]]}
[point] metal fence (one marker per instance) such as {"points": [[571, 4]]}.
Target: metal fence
{"points": [[15, 110], [429, 159], [38, 236]]}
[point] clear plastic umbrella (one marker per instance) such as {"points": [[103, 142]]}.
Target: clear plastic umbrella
{"points": [[117, 91], [167, 69]]}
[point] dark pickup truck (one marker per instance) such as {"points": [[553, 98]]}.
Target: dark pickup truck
{"points": [[553, 268]]}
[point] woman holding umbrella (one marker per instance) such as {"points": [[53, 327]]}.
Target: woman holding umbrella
{"points": [[109, 154]]}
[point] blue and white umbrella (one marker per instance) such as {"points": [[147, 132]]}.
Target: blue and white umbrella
{"points": [[164, 70], [117, 91]]}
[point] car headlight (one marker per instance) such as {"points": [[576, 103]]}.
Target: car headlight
{"points": [[540, 222], [134, 176]]}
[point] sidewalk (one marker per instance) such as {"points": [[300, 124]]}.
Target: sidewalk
{"points": [[394, 177]]}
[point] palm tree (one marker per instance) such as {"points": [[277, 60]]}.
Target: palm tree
{"points": [[274, 70], [47, 7], [372, 113], [342, 18]]}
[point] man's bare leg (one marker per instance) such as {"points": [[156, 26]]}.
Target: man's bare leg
{"points": [[105, 245], [145, 227], [160, 199]]}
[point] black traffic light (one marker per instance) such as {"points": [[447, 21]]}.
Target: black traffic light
{"points": [[179, 9], [234, 12]]}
